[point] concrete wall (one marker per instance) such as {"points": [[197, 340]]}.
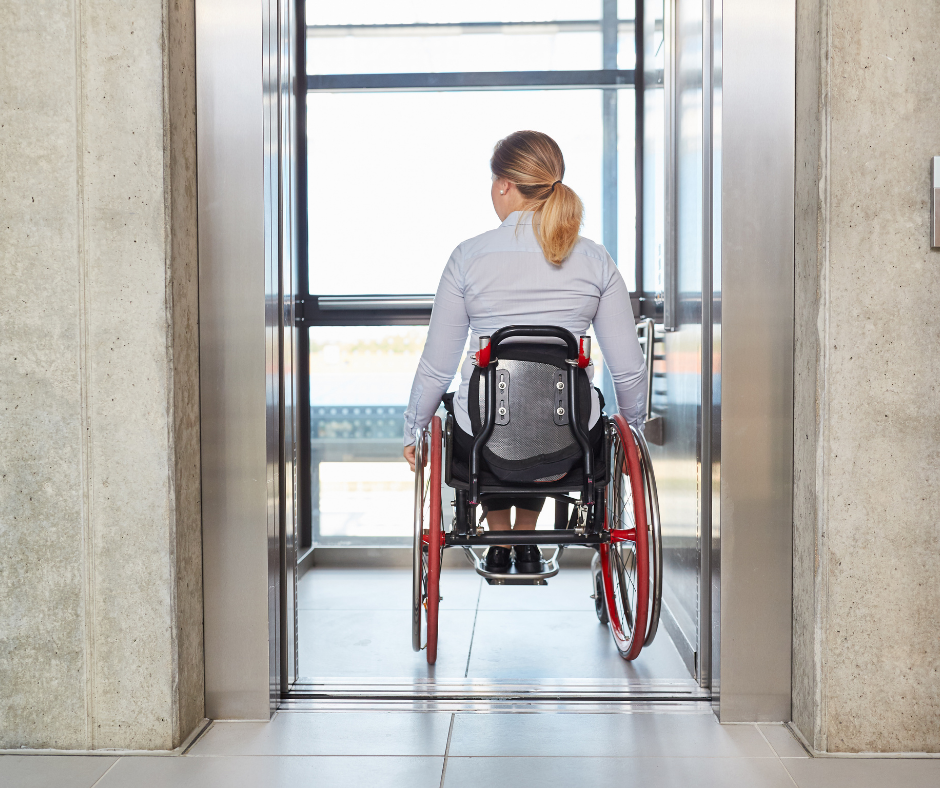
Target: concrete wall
{"points": [[866, 668], [100, 548]]}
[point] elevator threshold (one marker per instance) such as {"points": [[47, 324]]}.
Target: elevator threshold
{"points": [[475, 690]]}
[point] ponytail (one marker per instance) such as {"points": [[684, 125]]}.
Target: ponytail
{"points": [[534, 163]]}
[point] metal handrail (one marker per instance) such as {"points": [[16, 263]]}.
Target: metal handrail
{"points": [[648, 330], [337, 303]]}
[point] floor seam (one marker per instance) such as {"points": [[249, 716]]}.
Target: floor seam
{"points": [[450, 733], [105, 772], [473, 631], [792, 778], [776, 754], [772, 749]]}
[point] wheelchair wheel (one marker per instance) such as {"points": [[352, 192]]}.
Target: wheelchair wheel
{"points": [[428, 539], [655, 537], [625, 560]]}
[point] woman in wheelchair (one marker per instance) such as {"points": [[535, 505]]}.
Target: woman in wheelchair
{"points": [[534, 269]]}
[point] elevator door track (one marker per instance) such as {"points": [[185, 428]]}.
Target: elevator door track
{"points": [[499, 691]]}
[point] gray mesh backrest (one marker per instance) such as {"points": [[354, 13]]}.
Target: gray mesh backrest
{"points": [[531, 430]]}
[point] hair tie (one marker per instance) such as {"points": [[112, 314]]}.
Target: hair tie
{"points": [[554, 185]]}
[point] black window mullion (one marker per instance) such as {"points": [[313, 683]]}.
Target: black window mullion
{"points": [[302, 393]]}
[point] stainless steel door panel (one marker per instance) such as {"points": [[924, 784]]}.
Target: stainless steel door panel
{"points": [[680, 396]]}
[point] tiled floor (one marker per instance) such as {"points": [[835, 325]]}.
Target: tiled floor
{"points": [[407, 749], [355, 624]]}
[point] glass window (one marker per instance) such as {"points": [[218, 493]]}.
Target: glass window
{"points": [[424, 200], [625, 254], [360, 379], [397, 179], [655, 46], [407, 12], [364, 365], [494, 48], [370, 37], [373, 500], [626, 47]]}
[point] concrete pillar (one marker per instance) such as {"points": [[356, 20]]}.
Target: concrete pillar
{"points": [[866, 667], [100, 544]]}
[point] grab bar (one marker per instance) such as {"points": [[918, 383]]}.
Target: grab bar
{"points": [[647, 336], [336, 303]]}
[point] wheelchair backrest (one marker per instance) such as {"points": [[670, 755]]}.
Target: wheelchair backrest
{"points": [[532, 439]]}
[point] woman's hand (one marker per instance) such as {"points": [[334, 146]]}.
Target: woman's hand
{"points": [[409, 454]]}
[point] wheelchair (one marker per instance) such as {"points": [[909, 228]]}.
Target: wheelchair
{"points": [[531, 437]]}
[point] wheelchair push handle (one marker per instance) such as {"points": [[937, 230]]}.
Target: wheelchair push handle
{"points": [[584, 352], [579, 351]]}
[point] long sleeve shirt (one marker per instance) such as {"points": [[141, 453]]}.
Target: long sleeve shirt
{"points": [[502, 278]]}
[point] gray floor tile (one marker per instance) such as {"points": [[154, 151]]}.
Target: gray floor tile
{"points": [[785, 744], [355, 623], [598, 735], [52, 771], [616, 772], [570, 590], [562, 644], [276, 772], [377, 643], [324, 733], [863, 772], [331, 588]]}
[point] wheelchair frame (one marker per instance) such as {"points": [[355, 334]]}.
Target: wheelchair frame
{"points": [[588, 525]]}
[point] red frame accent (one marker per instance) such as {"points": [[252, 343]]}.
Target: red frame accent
{"points": [[583, 360], [435, 538], [482, 356], [623, 535], [641, 540]]}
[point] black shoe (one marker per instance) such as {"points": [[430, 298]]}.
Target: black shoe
{"points": [[498, 559], [528, 558]]}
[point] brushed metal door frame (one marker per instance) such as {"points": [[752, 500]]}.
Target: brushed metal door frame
{"points": [[755, 131], [242, 345], [246, 250]]}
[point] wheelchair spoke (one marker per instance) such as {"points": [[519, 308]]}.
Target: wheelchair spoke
{"points": [[626, 583]]}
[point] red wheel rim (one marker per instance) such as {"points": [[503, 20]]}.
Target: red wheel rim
{"points": [[629, 644], [435, 539]]}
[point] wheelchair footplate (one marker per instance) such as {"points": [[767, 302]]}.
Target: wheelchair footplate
{"points": [[514, 577]]}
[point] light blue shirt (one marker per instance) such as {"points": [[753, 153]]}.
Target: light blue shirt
{"points": [[501, 278]]}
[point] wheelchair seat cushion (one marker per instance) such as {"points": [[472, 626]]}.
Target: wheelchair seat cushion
{"points": [[531, 441]]}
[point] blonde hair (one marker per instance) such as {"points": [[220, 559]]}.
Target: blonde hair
{"points": [[533, 162]]}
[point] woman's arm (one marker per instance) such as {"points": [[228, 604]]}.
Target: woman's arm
{"points": [[615, 329], [447, 337]]}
